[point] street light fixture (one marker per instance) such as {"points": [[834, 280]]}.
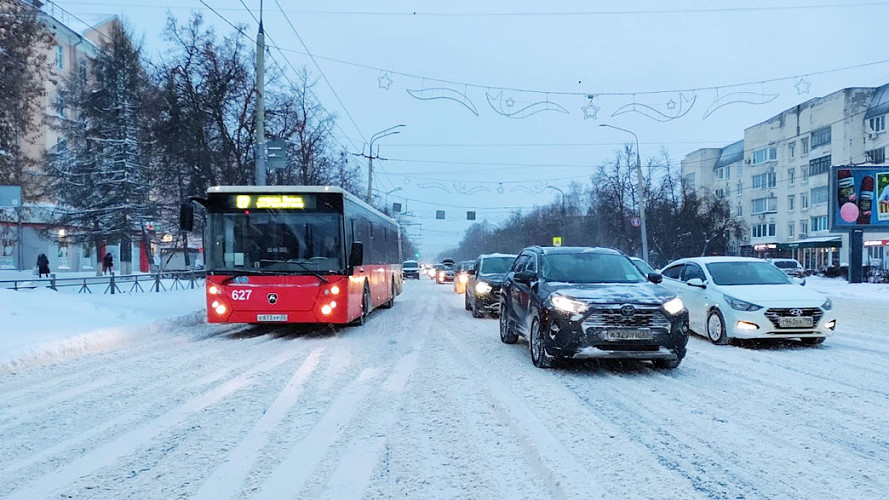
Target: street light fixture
{"points": [[640, 188], [370, 157]]}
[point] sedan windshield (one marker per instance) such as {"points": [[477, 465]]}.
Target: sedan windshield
{"points": [[590, 268], [496, 265], [746, 273], [275, 242]]}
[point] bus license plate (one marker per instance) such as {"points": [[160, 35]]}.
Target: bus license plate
{"points": [[628, 334], [271, 317], [795, 322]]}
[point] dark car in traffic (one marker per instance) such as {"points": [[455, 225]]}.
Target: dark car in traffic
{"points": [[484, 281], [579, 302], [410, 269], [447, 271]]}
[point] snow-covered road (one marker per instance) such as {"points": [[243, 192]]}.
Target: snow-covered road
{"points": [[426, 402]]}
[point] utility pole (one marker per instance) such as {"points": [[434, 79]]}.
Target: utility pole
{"points": [[260, 103], [370, 157]]}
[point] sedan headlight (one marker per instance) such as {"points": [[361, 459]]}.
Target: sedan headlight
{"points": [[674, 306], [741, 305], [482, 288], [568, 305], [827, 305]]}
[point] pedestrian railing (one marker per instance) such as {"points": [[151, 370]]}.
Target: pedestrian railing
{"points": [[113, 284]]}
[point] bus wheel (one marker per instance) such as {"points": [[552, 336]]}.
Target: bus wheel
{"points": [[391, 302], [365, 307]]}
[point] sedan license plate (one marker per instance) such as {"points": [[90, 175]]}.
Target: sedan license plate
{"points": [[271, 317], [796, 322], [628, 334]]}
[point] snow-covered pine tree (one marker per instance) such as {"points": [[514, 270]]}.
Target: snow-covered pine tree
{"points": [[100, 173]]}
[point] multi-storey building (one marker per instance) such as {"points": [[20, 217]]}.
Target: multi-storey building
{"points": [[780, 184]]}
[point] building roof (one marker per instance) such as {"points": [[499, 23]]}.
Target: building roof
{"points": [[879, 103], [732, 153]]}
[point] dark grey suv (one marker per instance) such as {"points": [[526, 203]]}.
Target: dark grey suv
{"points": [[483, 287], [577, 302]]}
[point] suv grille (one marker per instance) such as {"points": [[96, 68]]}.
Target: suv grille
{"points": [[813, 312], [610, 317]]}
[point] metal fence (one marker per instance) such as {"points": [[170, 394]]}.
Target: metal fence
{"points": [[112, 284]]}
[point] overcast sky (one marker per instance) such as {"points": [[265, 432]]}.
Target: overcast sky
{"points": [[498, 108]]}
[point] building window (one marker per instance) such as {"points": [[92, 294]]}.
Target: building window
{"points": [[791, 149], [764, 181], [804, 201], [82, 72], [690, 181], [804, 146], [791, 174], [765, 154], [720, 193], [723, 173], [804, 173], [739, 210], [765, 205], [818, 223], [740, 187], [876, 155], [762, 230], [60, 57], [877, 124], [819, 166], [790, 200], [803, 228], [818, 195], [790, 228], [821, 137], [60, 106]]}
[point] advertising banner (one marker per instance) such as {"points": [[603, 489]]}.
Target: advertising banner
{"points": [[859, 197]]}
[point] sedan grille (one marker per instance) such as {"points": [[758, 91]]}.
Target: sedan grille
{"points": [[611, 317], [793, 312]]}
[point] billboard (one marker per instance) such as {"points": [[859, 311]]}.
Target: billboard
{"points": [[859, 197]]}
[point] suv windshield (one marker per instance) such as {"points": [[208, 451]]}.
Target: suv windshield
{"points": [[590, 268], [495, 265], [746, 273], [410, 264]]}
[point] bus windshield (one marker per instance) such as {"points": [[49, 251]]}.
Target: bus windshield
{"points": [[285, 242]]}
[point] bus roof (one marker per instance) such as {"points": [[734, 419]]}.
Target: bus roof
{"points": [[296, 189]]}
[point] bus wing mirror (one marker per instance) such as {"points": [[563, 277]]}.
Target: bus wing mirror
{"points": [[186, 216], [356, 255]]}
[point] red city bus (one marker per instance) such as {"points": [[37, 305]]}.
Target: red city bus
{"points": [[296, 254]]}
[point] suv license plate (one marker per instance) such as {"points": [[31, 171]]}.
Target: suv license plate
{"points": [[271, 317], [628, 334], [796, 322]]}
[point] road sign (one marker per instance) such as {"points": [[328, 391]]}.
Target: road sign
{"points": [[439, 214], [636, 221], [470, 215], [10, 196], [276, 154], [557, 241]]}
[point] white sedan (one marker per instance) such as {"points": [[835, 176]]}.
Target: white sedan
{"points": [[748, 298]]}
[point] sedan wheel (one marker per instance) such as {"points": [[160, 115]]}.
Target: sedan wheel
{"points": [[538, 350], [506, 336], [716, 328]]}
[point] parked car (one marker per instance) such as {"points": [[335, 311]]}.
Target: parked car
{"points": [[642, 266], [446, 272], [575, 302], [791, 267], [410, 269], [748, 298], [462, 275], [483, 286]]}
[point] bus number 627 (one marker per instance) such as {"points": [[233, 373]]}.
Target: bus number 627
{"points": [[241, 294]]}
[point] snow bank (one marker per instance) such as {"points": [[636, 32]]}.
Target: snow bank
{"points": [[840, 288]]}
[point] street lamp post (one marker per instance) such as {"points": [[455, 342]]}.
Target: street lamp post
{"points": [[561, 196], [386, 195], [641, 190], [370, 157]]}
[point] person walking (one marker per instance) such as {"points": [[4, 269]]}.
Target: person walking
{"points": [[42, 265], [108, 263]]}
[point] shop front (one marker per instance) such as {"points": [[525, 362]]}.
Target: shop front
{"points": [[815, 254]]}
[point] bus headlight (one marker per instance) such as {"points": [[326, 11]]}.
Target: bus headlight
{"points": [[220, 309], [326, 310], [213, 290], [335, 290]]}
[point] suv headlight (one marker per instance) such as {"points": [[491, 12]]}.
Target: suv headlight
{"points": [[827, 305], [482, 288], [741, 305], [568, 305], [674, 306]]}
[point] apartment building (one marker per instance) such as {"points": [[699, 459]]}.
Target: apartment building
{"points": [[777, 179]]}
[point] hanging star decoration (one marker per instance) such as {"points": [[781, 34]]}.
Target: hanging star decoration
{"points": [[802, 86], [510, 102], [671, 104], [590, 110], [384, 81]]}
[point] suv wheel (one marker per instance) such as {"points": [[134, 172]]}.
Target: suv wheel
{"points": [[506, 336], [475, 311], [716, 328], [466, 302], [535, 343], [669, 364]]}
